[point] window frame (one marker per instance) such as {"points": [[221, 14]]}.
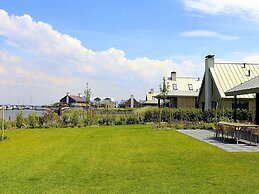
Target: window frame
{"points": [[190, 86], [174, 86]]}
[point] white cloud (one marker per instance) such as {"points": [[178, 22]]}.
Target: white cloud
{"points": [[2, 69], [240, 57], [206, 33], [55, 63], [242, 8], [8, 59], [252, 58]]}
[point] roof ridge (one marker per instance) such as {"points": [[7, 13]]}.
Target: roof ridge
{"points": [[185, 77], [237, 63]]}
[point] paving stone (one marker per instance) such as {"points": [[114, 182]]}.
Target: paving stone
{"points": [[228, 145]]}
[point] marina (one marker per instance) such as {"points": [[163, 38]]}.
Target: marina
{"points": [[23, 107], [12, 110], [11, 114]]}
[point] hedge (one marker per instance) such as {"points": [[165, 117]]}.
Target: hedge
{"points": [[80, 118]]}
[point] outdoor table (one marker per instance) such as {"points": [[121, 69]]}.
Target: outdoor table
{"points": [[238, 127]]}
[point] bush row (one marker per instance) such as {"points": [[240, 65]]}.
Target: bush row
{"points": [[195, 115], [80, 118], [70, 118]]}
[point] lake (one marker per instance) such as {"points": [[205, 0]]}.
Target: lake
{"points": [[11, 114]]}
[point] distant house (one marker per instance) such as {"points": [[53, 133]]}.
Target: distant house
{"points": [[97, 99], [183, 91], [219, 78], [151, 99], [103, 102], [96, 102], [72, 100], [130, 103], [122, 103], [107, 103]]}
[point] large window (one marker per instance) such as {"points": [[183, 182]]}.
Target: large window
{"points": [[173, 102], [241, 105]]}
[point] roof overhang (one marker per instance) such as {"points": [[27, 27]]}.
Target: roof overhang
{"points": [[249, 87], [241, 92], [179, 93]]}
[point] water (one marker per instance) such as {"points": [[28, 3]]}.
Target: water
{"points": [[11, 114]]}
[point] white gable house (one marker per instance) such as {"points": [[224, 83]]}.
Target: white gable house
{"points": [[183, 91], [219, 78]]}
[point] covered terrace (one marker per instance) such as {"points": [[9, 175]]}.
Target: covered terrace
{"points": [[249, 87]]}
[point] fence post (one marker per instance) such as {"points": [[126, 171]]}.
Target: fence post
{"points": [[2, 122], [160, 116], [83, 118]]}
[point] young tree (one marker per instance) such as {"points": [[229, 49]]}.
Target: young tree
{"points": [[88, 94], [164, 89]]}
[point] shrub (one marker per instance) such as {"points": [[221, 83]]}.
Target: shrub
{"points": [[8, 124], [33, 120], [209, 115], [151, 115], [65, 120], [20, 120], [50, 119], [148, 116], [132, 120]]}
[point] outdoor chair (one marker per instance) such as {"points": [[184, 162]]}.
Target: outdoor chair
{"points": [[246, 133], [227, 130], [218, 129], [255, 133]]}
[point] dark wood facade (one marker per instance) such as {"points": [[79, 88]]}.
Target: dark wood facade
{"points": [[127, 104], [71, 100]]}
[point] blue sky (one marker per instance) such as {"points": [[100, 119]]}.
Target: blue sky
{"points": [[119, 47]]}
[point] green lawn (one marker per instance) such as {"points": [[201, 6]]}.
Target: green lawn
{"points": [[121, 159]]}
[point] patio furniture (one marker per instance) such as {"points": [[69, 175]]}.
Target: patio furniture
{"points": [[218, 130], [254, 132], [237, 128], [227, 130]]}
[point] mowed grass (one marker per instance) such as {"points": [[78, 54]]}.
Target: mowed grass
{"points": [[121, 159]]}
